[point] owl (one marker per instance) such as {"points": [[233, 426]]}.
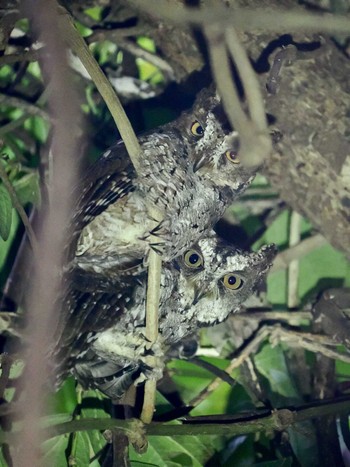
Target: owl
{"points": [[105, 345], [190, 171]]}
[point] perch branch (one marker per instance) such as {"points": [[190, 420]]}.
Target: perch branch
{"points": [[293, 268], [112, 101]]}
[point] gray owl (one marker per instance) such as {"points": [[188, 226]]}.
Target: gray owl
{"points": [[190, 172], [105, 345]]}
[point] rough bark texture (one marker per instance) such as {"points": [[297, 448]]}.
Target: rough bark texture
{"points": [[310, 167]]}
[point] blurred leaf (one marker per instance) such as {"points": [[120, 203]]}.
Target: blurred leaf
{"points": [[55, 451], [82, 453], [303, 440], [149, 72], [34, 69], [5, 247], [5, 213], [27, 188], [146, 43], [271, 363], [64, 400], [180, 451], [38, 127], [320, 267], [95, 13], [239, 452]]}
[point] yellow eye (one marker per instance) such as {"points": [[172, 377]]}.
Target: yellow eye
{"points": [[232, 157], [233, 282], [197, 129], [193, 259]]}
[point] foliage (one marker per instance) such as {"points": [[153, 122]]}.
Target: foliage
{"points": [[24, 135]]}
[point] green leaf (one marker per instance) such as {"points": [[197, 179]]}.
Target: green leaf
{"points": [[179, 451], [93, 439], [27, 188], [303, 440], [54, 451], [5, 213], [82, 452], [271, 363]]}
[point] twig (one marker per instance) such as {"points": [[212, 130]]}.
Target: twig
{"points": [[120, 36], [235, 363], [152, 310], [293, 268], [262, 141], [41, 300], [29, 108], [249, 80], [291, 317], [298, 251], [79, 46], [13, 125], [221, 69], [313, 342], [19, 208], [275, 19], [26, 56], [115, 34], [255, 144]]}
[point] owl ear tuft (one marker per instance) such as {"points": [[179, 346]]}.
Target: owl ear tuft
{"points": [[264, 257]]}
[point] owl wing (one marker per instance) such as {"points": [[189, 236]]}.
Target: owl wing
{"points": [[110, 178], [85, 313]]}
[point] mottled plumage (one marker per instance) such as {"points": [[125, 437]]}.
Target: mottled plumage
{"points": [[190, 172], [199, 288]]}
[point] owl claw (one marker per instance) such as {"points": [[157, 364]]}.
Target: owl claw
{"points": [[152, 361], [155, 248], [156, 229]]}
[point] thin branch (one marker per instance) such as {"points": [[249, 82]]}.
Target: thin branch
{"points": [[119, 36], [222, 72], [152, 311], [114, 34], [249, 80], [279, 419], [29, 108], [298, 251], [13, 125], [26, 56], [235, 363], [19, 208], [276, 334], [41, 300], [276, 20], [112, 101], [291, 317], [293, 268], [255, 145], [79, 46]]}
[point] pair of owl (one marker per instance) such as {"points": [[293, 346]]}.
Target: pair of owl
{"points": [[190, 171]]}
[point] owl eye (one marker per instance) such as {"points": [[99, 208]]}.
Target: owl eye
{"points": [[197, 129], [233, 282], [193, 259], [232, 157]]}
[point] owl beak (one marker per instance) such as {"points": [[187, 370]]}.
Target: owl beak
{"points": [[200, 163], [199, 293]]}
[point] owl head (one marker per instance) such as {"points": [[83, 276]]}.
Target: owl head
{"points": [[218, 278], [212, 146]]}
